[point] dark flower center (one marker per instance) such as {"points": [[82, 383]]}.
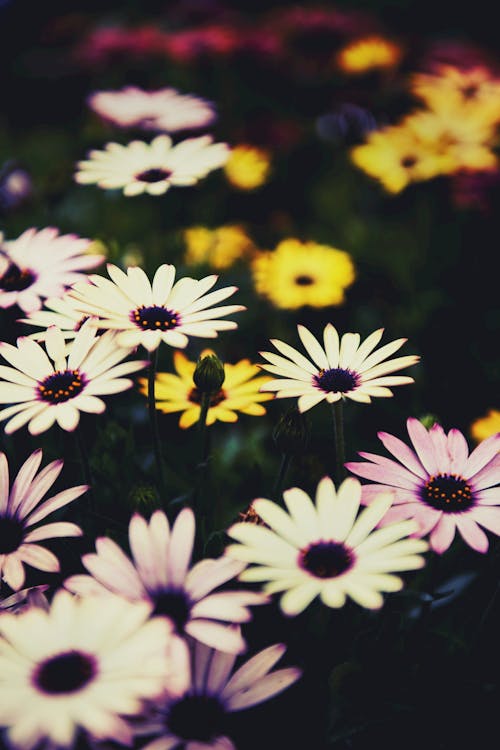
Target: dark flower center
{"points": [[65, 673], [11, 534], [408, 162], [304, 280], [155, 318], [470, 91], [197, 717], [155, 174], [215, 399], [61, 386], [175, 605], [336, 380], [448, 492], [326, 559], [15, 279]]}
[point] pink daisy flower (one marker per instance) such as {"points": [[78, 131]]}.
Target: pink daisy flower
{"points": [[438, 484], [160, 574], [164, 110], [42, 264], [21, 508]]}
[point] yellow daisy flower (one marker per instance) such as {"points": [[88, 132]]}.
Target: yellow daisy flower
{"points": [[248, 167], [239, 394], [219, 248], [484, 427], [303, 273], [451, 89], [368, 54]]}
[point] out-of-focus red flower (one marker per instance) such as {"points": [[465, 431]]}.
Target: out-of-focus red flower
{"points": [[108, 42], [477, 191], [189, 44], [462, 55]]}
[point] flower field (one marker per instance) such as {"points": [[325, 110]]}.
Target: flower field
{"points": [[249, 416]]}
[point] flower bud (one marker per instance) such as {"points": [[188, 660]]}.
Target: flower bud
{"points": [[143, 497], [209, 374], [292, 432], [429, 420]]}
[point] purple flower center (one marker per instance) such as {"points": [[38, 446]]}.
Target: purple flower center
{"points": [[336, 380], [448, 492], [11, 534], [199, 718], [15, 279], [61, 386], [326, 559], [155, 318], [153, 175], [65, 673], [175, 605]]}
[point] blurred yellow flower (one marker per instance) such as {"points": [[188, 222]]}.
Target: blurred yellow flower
{"points": [[368, 54], [303, 273], [460, 91], [240, 392], [396, 157], [248, 167], [219, 248], [462, 140], [486, 426]]}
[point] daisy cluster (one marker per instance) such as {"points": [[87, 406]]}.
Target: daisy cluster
{"points": [[139, 629]]}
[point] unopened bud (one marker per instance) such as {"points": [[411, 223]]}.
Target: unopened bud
{"points": [[209, 374], [143, 497], [429, 420], [292, 432]]}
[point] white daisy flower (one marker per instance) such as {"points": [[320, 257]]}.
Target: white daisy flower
{"points": [[147, 313], [160, 575], [325, 549], [82, 665], [165, 109], [55, 382], [56, 311], [197, 719], [21, 508], [344, 368], [154, 167], [41, 264]]}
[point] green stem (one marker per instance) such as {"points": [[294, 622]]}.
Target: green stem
{"points": [[199, 495], [338, 427], [153, 417], [87, 473], [285, 465]]}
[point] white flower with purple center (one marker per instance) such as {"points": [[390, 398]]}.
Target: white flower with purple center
{"points": [[162, 110], [325, 549], [342, 368], [79, 668], [438, 484], [55, 382], [147, 313], [42, 264], [198, 718], [160, 575], [21, 509], [154, 167], [56, 311]]}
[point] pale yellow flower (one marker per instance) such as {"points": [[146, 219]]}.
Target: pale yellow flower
{"points": [[248, 167], [368, 54], [219, 248]]}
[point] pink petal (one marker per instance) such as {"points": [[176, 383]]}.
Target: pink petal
{"points": [[370, 491], [23, 480], [471, 533], [443, 533], [181, 547], [440, 443], [56, 502], [217, 636], [490, 496], [403, 453], [207, 575], [488, 476], [479, 457], [4, 482], [40, 486], [39, 557], [13, 571], [488, 517], [423, 445], [459, 451], [396, 477], [52, 530], [142, 551]]}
